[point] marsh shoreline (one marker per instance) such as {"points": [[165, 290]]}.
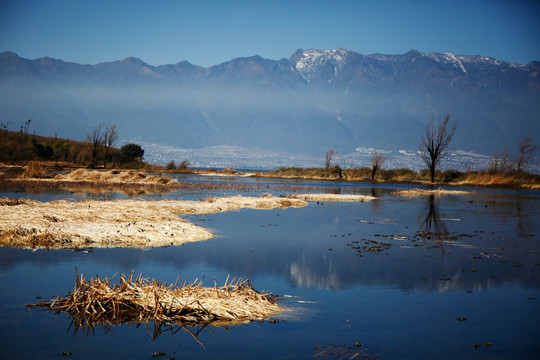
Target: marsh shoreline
{"points": [[126, 223], [11, 176]]}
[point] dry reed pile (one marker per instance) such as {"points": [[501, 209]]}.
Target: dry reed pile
{"points": [[140, 300], [34, 170], [119, 223], [420, 192]]}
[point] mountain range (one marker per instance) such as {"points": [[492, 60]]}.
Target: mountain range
{"points": [[314, 101]]}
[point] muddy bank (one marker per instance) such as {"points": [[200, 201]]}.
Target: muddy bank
{"points": [[121, 223]]}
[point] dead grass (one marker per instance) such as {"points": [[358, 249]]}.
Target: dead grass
{"points": [[120, 223], [422, 192], [507, 180], [12, 202], [331, 197], [486, 179], [34, 170], [131, 182], [140, 300], [116, 177]]}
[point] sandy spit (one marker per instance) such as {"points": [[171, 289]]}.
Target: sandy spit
{"points": [[120, 223], [421, 192], [331, 197]]}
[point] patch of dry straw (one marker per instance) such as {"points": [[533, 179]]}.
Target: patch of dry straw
{"points": [[116, 177], [140, 300], [131, 182], [34, 170], [119, 223], [421, 192]]}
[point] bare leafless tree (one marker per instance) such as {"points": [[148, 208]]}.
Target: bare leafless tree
{"points": [[527, 147], [110, 137], [435, 143], [506, 161], [328, 158], [95, 143], [377, 162], [501, 162]]}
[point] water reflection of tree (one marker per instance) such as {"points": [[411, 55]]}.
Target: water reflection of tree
{"points": [[431, 224], [376, 205], [516, 210], [525, 226], [431, 220]]}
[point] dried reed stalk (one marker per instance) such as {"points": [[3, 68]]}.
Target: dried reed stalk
{"points": [[141, 301]]}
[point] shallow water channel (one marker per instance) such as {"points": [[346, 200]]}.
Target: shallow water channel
{"points": [[456, 276]]}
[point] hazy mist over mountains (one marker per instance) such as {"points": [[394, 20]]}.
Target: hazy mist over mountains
{"points": [[312, 102]]}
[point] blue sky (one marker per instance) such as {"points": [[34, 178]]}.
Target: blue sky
{"points": [[210, 32]]}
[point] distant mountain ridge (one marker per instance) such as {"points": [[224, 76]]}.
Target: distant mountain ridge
{"points": [[312, 102]]}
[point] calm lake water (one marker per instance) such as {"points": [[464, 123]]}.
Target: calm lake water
{"points": [[365, 280]]}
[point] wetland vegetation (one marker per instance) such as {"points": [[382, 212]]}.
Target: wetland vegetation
{"points": [[396, 276], [369, 264]]}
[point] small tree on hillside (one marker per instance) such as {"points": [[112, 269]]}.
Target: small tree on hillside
{"points": [[501, 162], [527, 147], [171, 165], [110, 137], [328, 158], [95, 143], [183, 165], [377, 162], [131, 152], [435, 144]]}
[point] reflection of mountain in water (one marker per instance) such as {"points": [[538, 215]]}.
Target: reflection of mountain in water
{"points": [[314, 247]]}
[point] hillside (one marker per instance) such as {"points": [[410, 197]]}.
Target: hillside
{"points": [[17, 147], [21, 147]]}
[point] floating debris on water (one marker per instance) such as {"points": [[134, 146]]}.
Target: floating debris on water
{"points": [[344, 351]]}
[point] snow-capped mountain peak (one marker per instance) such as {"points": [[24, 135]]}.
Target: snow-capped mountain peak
{"points": [[309, 61]]}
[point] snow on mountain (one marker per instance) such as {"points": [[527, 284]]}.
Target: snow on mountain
{"points": [[462, 62], [311, 61]]}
